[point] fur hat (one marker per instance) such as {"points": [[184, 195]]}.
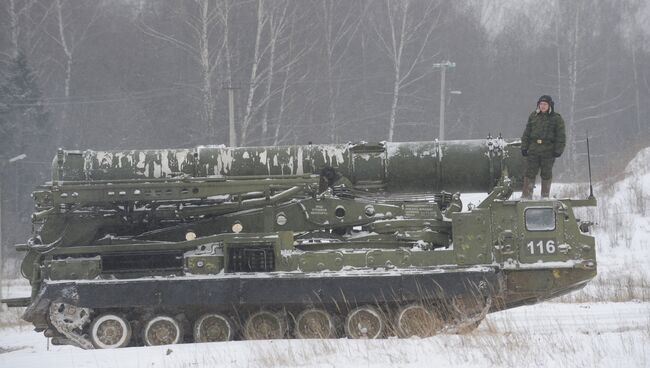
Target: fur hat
{"points": [[549, 100]]}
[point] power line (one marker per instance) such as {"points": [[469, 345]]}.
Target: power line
{"points": [[79, 100], [153, 93]]}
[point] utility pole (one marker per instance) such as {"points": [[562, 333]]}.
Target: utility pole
{"points": [[443, 70], [232, 141]]}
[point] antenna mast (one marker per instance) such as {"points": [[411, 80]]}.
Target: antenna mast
{"points": [[591, 188]]}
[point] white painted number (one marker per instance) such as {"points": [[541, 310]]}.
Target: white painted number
{"points": [[540, 247]]}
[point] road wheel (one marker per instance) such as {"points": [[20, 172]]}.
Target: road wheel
{"points": [[110, 331], [416, 320], [314, 323], [213, 327], [364, 323], [265, 325], [162, 330]]}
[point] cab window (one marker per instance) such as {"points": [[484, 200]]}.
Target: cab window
{"points": [[540, 219]]}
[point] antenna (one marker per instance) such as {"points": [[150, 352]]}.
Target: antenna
{"points": [[591, 188]]}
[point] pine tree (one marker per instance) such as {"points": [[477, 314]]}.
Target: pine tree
{"points": [[23, 117], [24, 129]]}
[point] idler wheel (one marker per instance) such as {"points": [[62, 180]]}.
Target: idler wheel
{"points": [[364, 323], [162, 330], [213, 327], [110, 331], [416, 320], [314, 323], [265, 325]]}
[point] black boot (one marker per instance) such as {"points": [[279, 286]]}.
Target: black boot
{"points": [[527, 190], [546, 188]]}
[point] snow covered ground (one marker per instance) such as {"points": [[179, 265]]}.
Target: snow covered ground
{"points": [[607, 324], [544, 335]]}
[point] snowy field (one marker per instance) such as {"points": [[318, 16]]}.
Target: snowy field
{"points": [[544, 335], [607, 324]]}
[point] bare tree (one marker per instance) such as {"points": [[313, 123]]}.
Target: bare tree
{"points": [[404, 30], [278, 18], [274, 55], [206, 39], [69, 30], [17, 9], [634, 17], [339, 22], [27, 19], [255, 77], [289, 73], [583, 73]]}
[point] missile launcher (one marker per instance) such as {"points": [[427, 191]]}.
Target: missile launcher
{"points": [[151, 247]]}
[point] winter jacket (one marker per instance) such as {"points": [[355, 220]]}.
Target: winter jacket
{"points": [[544, 134]]}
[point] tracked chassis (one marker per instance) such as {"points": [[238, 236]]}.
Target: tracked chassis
{"points": [[123, 256]]}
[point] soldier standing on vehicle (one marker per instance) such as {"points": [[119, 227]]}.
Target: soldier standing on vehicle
{"points": [[543, 141]]}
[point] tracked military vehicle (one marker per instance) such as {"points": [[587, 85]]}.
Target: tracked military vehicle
{"points": [[150, 247]]}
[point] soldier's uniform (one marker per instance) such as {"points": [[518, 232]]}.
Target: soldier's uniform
{"points": [[543, 140]]}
